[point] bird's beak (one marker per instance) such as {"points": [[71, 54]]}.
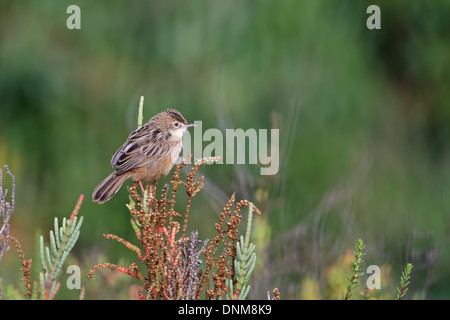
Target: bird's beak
{"points": [[190, 125]]}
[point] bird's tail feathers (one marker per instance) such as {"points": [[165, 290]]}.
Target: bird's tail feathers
{"points": [[109, 187]]}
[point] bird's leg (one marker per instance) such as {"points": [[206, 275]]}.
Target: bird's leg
{"points": [[142, 187]]}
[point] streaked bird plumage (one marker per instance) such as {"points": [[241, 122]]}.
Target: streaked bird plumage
{"points": [[149, 153]]}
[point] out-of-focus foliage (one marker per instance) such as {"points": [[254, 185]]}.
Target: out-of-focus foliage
{"points": [[363, 118]]}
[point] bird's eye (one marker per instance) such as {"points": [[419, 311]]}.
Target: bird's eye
{"points": [[176, 124]]}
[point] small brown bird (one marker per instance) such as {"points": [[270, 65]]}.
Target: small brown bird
{"points": [[149, 153]]}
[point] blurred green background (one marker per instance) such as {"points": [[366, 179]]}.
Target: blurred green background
{"points": [[363, 118]]}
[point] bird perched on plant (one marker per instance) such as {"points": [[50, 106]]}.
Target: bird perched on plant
{"points": [[149, 153]]}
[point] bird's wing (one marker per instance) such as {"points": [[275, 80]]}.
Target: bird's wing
{"points": [[142, 148]]}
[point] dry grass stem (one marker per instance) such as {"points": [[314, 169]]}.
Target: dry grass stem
{"points": [[172, 260], [26, 264]]}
